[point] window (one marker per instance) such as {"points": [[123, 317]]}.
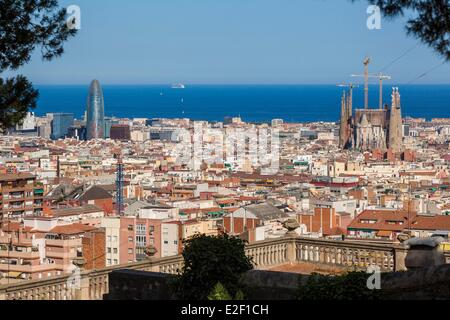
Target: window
{"points": [[368, 221], [115, 250], [130, 239], [130, 251], [109, 262], [130, 227], [141, 229], [175, 242], [141, 241], [109, 238], [166, 242], [116, 261], [109, 250], [116, 239]]}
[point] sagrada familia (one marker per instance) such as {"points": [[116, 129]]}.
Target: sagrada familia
{"points": [[369, 129]]}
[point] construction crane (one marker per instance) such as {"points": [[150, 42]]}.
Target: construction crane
{"points": [[381, 77], [366, 82]]}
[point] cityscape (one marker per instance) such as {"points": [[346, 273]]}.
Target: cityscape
{"points": [[104, 207]]}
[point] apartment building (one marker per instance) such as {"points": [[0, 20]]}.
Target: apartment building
{"points": [[127, 238], [20, 195], [41, 248]]}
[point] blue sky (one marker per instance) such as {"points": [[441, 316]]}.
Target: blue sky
{"points": [[231, 41]]}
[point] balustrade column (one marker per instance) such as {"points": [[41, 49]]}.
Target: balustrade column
{"points": [[291, 251]]}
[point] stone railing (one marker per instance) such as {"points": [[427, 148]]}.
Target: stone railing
{"points": [[269, 253], [354, 255], [92, 285]]}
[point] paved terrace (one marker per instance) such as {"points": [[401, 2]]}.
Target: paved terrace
{"points": [[303, 255]]}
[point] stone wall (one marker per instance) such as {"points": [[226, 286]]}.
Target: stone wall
{"points": [[420, 284], [139, 285]]}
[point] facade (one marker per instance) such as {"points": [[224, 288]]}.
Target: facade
{"points": [[60, 124], [120, 132], [369, 129], [95, 122], [20, 195], [93, 247], [325, 221], [42, 248]]}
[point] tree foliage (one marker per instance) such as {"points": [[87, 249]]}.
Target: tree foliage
{"points": [[350, 286], [219, 293], [429, 20], [16, 96], [209, 260], [26, 25]]}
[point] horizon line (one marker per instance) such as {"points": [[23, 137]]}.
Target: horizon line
{"points": [[234, 84]]}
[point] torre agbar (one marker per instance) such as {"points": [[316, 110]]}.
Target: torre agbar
{"points": [[95, 122]]}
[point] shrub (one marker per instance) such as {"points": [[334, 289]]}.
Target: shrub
{"points": [[350, 286]]}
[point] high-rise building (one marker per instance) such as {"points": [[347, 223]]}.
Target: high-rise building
{"points": [[60, 124], [120, 132], [95, 122], [108, 123]]}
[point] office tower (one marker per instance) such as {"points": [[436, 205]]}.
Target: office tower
{"points": [[120, 132], [108, 124], [60, 124], [95, 122]]}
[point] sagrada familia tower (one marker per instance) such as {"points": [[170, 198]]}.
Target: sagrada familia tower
{"points": [[370, 129]]}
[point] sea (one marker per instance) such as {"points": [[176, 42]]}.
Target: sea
{"points": [[253, 103]]}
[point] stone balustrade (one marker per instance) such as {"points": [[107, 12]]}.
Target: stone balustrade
{"points": [[354, 255], [92, 285]]}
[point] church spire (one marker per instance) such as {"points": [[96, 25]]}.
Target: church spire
{"points": [[395, 123]]}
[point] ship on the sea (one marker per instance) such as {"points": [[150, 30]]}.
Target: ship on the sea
{"points": [[178, 86]]}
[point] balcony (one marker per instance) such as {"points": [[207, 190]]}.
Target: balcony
{"points": [[63, 243], [39, 192], [60, 255], [19, 255]]}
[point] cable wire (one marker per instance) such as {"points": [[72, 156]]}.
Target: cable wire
{"points": [[400, 57], [427, 72]]}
